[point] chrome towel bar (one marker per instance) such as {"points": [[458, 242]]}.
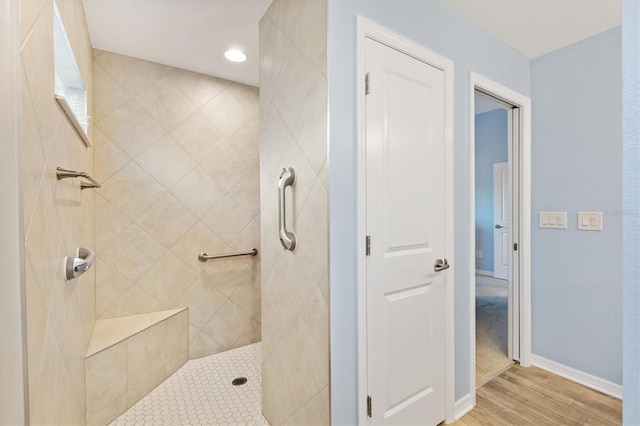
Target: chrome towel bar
{"points": [[203, 257], [65, 174]]}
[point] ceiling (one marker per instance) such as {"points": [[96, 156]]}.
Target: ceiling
{"points": [[537, 27], [189, 34], [194, 34]]}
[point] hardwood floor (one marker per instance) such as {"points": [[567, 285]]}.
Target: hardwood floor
{"points": [[531, 396]]}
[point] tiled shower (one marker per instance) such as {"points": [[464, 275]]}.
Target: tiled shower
{"points": [[188, 163]]}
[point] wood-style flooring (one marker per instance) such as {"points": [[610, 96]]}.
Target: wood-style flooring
{"points": [[531, 396]]}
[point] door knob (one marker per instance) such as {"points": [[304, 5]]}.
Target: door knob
{"points": [[499, 226], [441, 265]]}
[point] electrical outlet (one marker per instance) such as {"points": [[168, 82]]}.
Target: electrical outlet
{"points": [[479, 254]]}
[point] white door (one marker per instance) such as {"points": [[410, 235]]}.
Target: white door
{"points": [[501, 251], [405, 157]]}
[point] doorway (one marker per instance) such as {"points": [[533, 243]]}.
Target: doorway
{"points": [[493, 195], [500, 205]]}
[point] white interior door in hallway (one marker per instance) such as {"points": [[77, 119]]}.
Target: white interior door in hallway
{"points": [[501, 200], [406, 222]]}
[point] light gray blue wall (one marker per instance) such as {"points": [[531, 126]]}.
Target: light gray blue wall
{"points": [[631, 155], [491, 147], [577, 166], [435, 26]]}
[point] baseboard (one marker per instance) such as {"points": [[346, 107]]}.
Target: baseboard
{"points": [[578, 376], [484, 273], [463, 406]]}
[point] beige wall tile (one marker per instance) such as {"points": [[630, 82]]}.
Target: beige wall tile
{"points": [[145, 355], [173, 365], [133, 74], [176, 336], [247, 192], [198, 136], [311, 37], [203, 300], [33, 159], [140, 389], [166, 279], [311, 128], [313, 328], [109, 413], [58, 219], [108, 94], [226, 166], [133, 301], [167, 220], [295, 292], [250, 335], [247, 141], [199, 239], [109, 158], [314, 412], [313, 221], [293, 86], [110, 286], [227, 324], [198, 191], [166, 103], [132, 252], [203, 345], [106, 378], [109, 222], [131, 190], [131, 127], [166, 162], [198, 87], [227, 219], [274, 46], [233, 108]]}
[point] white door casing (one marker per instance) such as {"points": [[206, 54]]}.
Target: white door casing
{"points": [[501, 202], [520, 270], [406, 220]]}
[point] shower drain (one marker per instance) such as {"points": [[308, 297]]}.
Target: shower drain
{"points": [[239, 381]]}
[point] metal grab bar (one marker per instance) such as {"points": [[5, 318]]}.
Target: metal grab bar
{"points": [[203, 257], [287, 238], [65, 174]]}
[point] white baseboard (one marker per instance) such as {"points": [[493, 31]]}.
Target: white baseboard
{"points": [[463, 406], [577, 376], [485, 273]]}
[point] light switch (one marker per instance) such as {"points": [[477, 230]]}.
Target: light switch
{"points": [[590, 221], [553, 220]]}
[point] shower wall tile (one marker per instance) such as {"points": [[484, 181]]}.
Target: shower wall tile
{"points": [[178, 153], [295, 325], [131, 127], [58, 218]]}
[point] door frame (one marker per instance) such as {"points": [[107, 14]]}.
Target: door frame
{"points": [[369, 29], [522, 219], [14, 392]]}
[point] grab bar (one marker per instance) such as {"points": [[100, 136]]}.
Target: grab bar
{"points": [[76, 266], [65, 174], [287, 238], [203, 257]]}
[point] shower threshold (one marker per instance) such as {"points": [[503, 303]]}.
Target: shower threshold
{"points": [[202, 393]]}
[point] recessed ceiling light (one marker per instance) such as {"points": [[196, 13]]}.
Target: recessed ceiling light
{"points": [[235, 55]]}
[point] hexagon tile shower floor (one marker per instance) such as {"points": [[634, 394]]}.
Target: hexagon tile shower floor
{"points": [[202, 393]]}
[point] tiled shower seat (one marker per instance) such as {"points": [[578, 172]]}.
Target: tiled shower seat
{"points": [[129, 356]]}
